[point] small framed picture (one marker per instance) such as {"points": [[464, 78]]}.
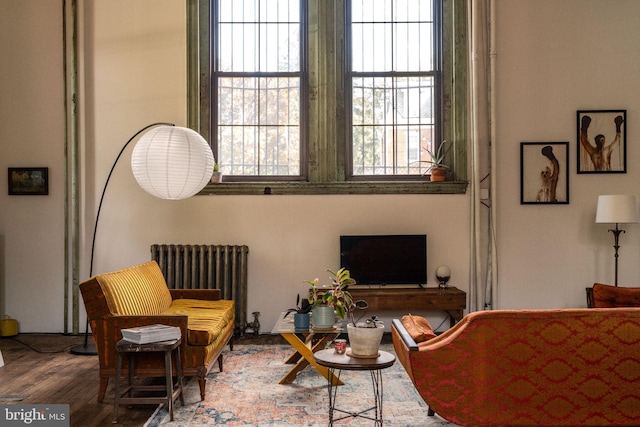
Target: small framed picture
{"points": [[602, 141], [544, 173], [28, 181]]}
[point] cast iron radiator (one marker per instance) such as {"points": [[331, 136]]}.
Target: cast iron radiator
{"points": [[221, 267]]}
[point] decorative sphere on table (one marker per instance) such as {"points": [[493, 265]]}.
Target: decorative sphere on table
{"points": [[443, 274]]}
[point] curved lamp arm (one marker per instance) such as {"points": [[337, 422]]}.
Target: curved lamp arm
{"points": [[85, 348], [104, 190]]}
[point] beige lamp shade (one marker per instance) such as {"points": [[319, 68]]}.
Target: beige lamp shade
{"points": [[172, 162], [617, 208]]}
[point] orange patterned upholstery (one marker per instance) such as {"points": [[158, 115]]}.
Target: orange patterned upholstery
{"points": [[615, 296], [572, 367], [137, 296]]}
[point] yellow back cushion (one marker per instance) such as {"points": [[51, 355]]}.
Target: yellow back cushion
{"points": [[136, 290]]}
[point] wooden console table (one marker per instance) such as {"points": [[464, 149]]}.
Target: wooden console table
{"points": [[452, 300]]}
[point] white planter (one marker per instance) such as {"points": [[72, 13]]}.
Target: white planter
{"points": [[216, 178], [365, 342]]}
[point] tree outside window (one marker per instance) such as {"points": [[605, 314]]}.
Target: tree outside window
{"points": [[279, 111]]}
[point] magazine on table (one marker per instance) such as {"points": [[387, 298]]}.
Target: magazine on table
{"points": [[151, 333]]}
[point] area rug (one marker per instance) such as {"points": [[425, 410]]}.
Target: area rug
{"points": [[247, 393]]}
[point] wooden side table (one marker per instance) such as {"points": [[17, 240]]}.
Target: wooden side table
{"points": [[305, 343], [172, 391], [339, 362]]}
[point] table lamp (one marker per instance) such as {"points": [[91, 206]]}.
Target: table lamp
{"points": [[443, 274], [617, 209]]}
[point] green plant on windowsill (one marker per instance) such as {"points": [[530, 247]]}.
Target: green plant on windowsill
{"points": [[438, 156], [216, 176], [437, 166], [337, 295]]}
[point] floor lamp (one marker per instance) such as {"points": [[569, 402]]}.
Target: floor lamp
{"points": [[169, 162], [617, 209]]}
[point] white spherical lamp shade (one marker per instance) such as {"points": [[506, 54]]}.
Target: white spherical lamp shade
{"points": [[443, 274], [172, 162]]}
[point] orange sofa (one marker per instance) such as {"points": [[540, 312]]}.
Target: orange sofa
{"points": [[139, 295], [614, 296], [571, 367]]}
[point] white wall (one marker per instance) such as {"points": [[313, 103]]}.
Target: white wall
{"points": [[291, 238], [553, 58], [32, 135]]}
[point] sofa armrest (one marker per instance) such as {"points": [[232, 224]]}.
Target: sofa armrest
{"points": [[402, 332], [203, 294]]}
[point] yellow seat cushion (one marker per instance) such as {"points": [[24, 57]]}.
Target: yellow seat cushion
{"points": [[207, 319]]}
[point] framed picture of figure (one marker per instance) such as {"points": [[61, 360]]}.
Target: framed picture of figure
{"points": [[544, 173], [602, 141]]}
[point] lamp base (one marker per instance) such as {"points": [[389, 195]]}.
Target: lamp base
{"points": [[84, 350]]}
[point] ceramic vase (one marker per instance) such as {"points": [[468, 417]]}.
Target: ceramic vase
{"points": [[216, 178], [437, 174], [323, 317], [301, 321], [364, 342]]}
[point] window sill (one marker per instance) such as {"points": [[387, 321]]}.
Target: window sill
{"points": [[308, 188]]}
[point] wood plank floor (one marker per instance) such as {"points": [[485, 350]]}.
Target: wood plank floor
{"points": [[38, 369]]}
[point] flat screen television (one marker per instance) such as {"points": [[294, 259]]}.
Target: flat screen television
{"points": [[385, 259]]}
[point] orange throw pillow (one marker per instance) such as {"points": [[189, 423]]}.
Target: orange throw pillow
{"points": [[418, 327]]}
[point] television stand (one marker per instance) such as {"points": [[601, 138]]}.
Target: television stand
{"points": [[451, 300]]}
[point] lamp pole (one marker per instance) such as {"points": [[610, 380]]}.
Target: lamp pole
{"points": [[87, 349], [616, 235]]}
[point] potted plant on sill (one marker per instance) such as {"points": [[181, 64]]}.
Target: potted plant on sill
{"points": [[437, 168], [216, 177], [302, 311], [364, 337]]}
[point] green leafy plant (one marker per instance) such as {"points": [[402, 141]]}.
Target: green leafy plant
{"points": [[336, 295], [438, 156], [216, 167], [302, 306]]}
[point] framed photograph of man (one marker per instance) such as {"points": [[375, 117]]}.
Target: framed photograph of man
{"points": [[544, 173], [602, 141]]}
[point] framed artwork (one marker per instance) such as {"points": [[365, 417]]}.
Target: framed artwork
{"points": [[602, 141], [28, 181], [544, 173]]}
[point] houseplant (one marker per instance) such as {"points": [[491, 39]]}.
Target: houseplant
{"points": [[437, 167], [216, 177], [301, 314], [329, 301], [364, 337]]}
